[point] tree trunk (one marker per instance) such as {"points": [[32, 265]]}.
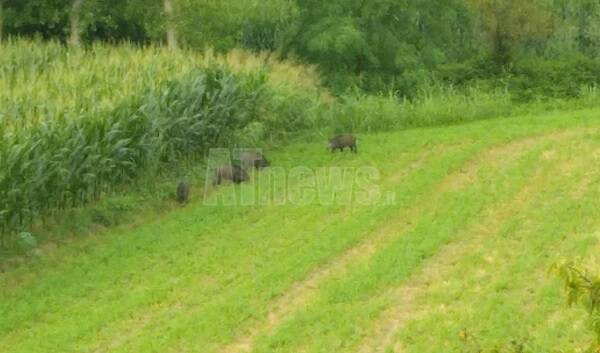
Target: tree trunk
{"points": [[171, 35], [75, 34], [502, 48], [1, 19]]}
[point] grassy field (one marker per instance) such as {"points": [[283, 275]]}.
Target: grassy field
{"points": [[470, 219]]}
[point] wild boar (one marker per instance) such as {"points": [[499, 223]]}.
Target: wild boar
{"points": [[253, 159], [342, 141], [233, 173], [183, 192]]}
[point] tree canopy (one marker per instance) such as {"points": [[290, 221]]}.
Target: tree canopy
{"points": [[376, 45]]}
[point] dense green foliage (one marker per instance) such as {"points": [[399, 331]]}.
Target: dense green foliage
{"points": [[67, 136], [381, 43], [379, 46], [109, 20]]}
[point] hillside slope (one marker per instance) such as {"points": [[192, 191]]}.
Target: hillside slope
{"points": [[470, 219]]}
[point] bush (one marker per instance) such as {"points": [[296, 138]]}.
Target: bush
{"points": [[536, 79], [529, 79]]}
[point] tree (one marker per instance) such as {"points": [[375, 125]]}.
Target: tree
{"points": [[139, 21], [580, 24], [266, 23], [170, 26], [380, 44], [1, 18], [46, 19], [79, 21], [508, 23], [74, 18], [211, 23]]}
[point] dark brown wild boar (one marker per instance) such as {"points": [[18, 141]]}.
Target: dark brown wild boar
{"points": [[253, 159], [342, 141], [183, 192], [233, 173]]}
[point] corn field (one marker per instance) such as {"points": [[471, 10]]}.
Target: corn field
{"points": [[76, 123]]}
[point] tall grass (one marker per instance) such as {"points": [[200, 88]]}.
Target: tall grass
{"points": [[441, 106], [77, 123]]}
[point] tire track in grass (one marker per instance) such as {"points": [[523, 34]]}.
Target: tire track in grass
{"points": [[441, 265], [302, 292], [420, 160]]}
